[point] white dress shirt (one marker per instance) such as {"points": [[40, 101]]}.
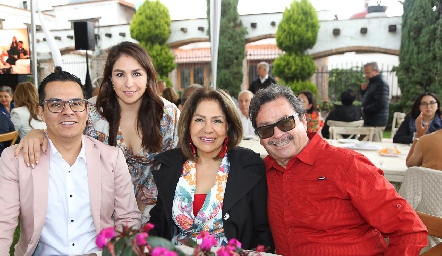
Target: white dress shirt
{"points": [[69, 227], [264, 78], [246, 125]]}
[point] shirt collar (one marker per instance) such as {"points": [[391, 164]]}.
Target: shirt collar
{"points": [[263, 79], [54, 152], [307, 155]]}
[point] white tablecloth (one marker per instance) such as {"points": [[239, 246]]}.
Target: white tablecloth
{"points": [[393, 166]]}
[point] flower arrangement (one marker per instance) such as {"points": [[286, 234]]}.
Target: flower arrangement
{"points": [[133, 242], [314, 122], [326, 105]]}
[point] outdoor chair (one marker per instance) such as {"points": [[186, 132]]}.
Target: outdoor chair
{"points": [[337, 125], [10, 136], [422, 190], [398, 118], [354, 132]]}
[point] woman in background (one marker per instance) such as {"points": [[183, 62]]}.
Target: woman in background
{"points": [[128, 114], [25, 115], [7, 104], [171, 95], [209, 183], [426, 108], [314, 121]]}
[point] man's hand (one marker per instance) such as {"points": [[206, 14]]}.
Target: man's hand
{"points": [[30, 145], [421, 129], [364, 86]]}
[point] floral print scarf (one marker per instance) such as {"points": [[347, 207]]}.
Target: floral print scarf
{"points": [[209, 218]]}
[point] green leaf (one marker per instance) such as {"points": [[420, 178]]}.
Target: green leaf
{"points": [[128, 251], [119, 246], [155, 241]]}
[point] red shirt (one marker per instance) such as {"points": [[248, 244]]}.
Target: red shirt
{"points": [[334, 201]]}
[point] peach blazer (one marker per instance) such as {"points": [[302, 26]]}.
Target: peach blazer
{"points": [[24, 194]]}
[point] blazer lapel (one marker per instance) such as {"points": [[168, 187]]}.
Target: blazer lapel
{"points": [[94, 180], [239, 182], [40, 179]]}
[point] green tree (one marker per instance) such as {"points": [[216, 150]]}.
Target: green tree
{"points": [[231, 51], [151, 27], [297, 32], [340, 80], [420, 67]]}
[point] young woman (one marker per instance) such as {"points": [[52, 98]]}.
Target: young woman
{"points": [[129, 114], [209, 183], [429, 105], [314, 122], [25, 115]]}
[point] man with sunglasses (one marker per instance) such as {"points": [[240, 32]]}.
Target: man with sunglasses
{"points": [[324, 200], [78, 188]]}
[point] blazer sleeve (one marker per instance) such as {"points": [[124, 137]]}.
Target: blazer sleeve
{"points": [[403, 135], [126, 210], [16, 120], [9, 200], [258, 203]]}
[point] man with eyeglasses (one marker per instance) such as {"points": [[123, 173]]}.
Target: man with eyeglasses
{"points": [[78, 188], [375, 100], [324, 200]]}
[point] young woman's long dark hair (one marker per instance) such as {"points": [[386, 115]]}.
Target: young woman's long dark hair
{"points": [[151, 109]]}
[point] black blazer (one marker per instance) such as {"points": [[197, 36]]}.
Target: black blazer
{"points": [[257, 85], [245, 199]]}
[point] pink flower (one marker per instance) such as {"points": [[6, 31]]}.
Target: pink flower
{"points": [[235, 242], [260, 248], [141, 238], [222, 251], [148, 226], [203, 234], [104, 236], [162, 251], [208, 242]]}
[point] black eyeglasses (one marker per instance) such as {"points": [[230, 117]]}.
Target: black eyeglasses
{"points": [[57, 105], [285, 125], [431, 103]]}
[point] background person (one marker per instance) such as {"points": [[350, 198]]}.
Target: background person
{"points": [[130, 115], [209, 183], [171, 95], [324, 200], [263, 80], [16, 53], [80, 187], [58, 69], [314, 121], [428, 104], [25, 115], [7, 104], [187, 92], [375, 99], [347, 112], [5, 126], [244, 98], [161, 85], [426, 151]]}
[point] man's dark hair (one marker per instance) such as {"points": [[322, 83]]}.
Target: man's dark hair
{"points": [[20, 42], [58, 69], [62, 76], [272, 93], [347, 97]]}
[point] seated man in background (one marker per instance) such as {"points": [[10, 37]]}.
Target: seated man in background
{"points": [[244, 98], [345, 113], [324, 200], [79, 187]]}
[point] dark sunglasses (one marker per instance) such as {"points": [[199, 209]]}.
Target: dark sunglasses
{"points": [[285, 125]]}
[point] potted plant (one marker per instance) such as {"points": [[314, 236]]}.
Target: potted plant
{"points": [[325, 107]]}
